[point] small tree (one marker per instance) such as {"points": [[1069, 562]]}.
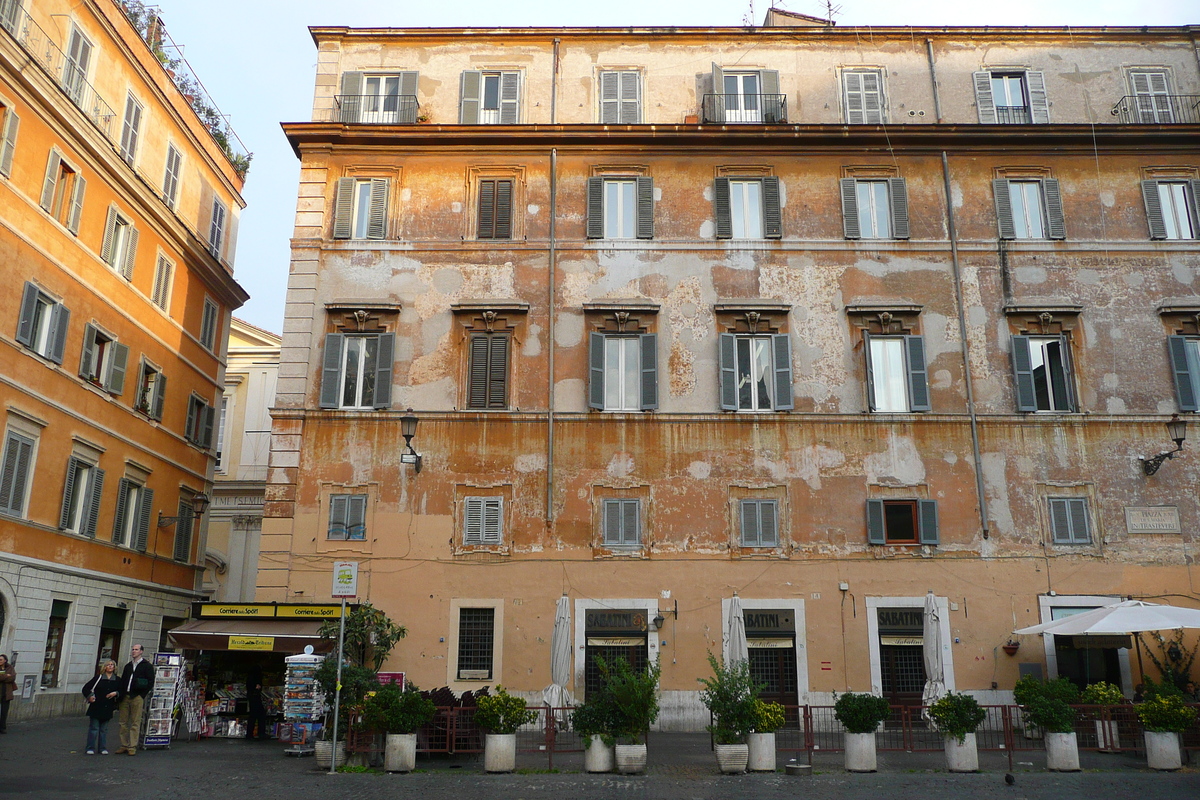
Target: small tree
{"points": [[730, 695], [634, 694], [393, 710], [957, 715], [370, 636], [502, 713], [1048, 703], [861, 712]]}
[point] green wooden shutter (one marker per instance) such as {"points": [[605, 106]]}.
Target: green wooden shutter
{"points": [[64, 516], [384, 357], [918, 376], [781, 350], [504, 210], [728, 366], [29, 304], [1154, 212], [183, 533], [1056, 226], [899, 196], [8, 142], [160, 392], [207, 416], [596, 370], [850, 226], [352, 96], [927, 522], [118, 363], [1023, 374], [595, 208], [145, 503], [486, 225], [119, 518], [93, 507], [377, 219], [343, 209], [722, 209], [510, 107], [648, 350], [1186, 372], [1004, 213], [645, 207], [14, 472], [60, 323], [984, 102], [52, 168], [497, 394], [1039, 106], [772, 213], [477, 372], [470, 97], [189, 428], [331, 371], [876, 532], [77, 205]]}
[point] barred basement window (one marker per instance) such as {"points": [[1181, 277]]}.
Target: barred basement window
{"points": [[476, 636]]}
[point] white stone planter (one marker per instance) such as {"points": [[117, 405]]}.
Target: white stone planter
{"points": [[962, 756], [860, 752], [732, 758], [762, 752], [400, 752], [323, 751], [1162, 750], [1106, 736], [631, 758], [500, 752], [1062, 752], [598, 757]]}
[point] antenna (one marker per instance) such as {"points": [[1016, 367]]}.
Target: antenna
{"points": [[748, 19], [831, 11]]}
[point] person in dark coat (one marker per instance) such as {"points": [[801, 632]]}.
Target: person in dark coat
{"points": [[8, 688], [256, 725], [137, 681], [102, 692]]}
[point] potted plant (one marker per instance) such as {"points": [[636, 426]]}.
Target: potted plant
{"points": [[501, 715], [957, 716], [399, 714], [595, 721], [768, 718], [357, 683], [635, 706], [860, 715], [1164, 716], [1103, 693], [729, 695], [1047, 704]]}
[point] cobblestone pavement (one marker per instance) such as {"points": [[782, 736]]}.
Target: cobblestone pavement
{"points": [[45, 759]]}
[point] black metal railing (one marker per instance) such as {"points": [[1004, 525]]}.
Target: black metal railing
{"points": [[373, 109], [1158, 109], [755, 109], [1013, 115]]}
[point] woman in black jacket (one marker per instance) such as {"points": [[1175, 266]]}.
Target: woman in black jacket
{"points": [[103, 692]]}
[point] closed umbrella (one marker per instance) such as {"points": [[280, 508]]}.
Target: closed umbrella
{"points": [[931, 647], [556, 694], [735, 633]]}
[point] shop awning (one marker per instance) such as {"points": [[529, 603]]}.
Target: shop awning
{"points": [[274, 635]]}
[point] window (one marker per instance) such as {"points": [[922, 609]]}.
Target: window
{"points": [[744, 96], [164, 270], [490, 98], [63, 191], [42, 326], [759, 523], [56, 633], [152, 388], [10, 123], [1171, 208], [623, 372], [208, 325], [756, 372], [476, 636], [897, 379], [623, 523], [1016, 97], [10, 13], [1152, 96], [1043, 373], [357, 371], [495, 209], [104, 360], [483, 521], [199, 426], [15, 470], [902, 522], [171, 175], [378, 99], [862, 96], [224, 414], [1069, 520], [131, 129], [620, 97], [1029, 208], [487, 370], [1185, 366], [75, 68], [620, 208], [216, 228], [119, 246], [131, 525], [347, 517], [361, 207], [875, 208], [81, 497], [748, 208]]}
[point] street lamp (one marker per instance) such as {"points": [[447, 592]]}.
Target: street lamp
{"points": [[408, 429], [199, 506], [1177, 431]]}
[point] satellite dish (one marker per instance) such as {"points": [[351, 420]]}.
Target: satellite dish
{"points": [[308, 649]]}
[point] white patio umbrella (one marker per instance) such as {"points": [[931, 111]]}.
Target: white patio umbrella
{"points": [[556, 695], [931, 648], [1129, 616], [735, 633]]}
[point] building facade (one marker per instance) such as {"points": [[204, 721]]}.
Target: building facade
{"points": [[826, 318], [118, 212]]}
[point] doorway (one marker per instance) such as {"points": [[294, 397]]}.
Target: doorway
{"points": [[112, 628]]}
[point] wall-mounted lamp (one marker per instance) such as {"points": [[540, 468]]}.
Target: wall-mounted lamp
{"points": [[1177, 431], [408, 429], [199, 506]]}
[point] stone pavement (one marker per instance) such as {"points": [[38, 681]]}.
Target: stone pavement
{"points": [[45, 759]]}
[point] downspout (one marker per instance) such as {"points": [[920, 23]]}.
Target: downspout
{"points": [[937, 98], [550, 293], [966, 349], [554, 86]]}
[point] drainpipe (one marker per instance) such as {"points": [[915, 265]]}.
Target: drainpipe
{"points": [[966, 350], [937, 98], [553, 259], [554, 88]]}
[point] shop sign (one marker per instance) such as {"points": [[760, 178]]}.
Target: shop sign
{"points": [[618, 641], [1152, 519], [608, 620], [251, 642], [901, 620], [268, 610], [755, 643], [308, 612], [903, 641], [389, 678], [768, 621], [220, 610]]}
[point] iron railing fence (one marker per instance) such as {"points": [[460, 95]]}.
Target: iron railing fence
{"points": [[760, 109], [373, 109], [1013, 115], [1158, 109]]}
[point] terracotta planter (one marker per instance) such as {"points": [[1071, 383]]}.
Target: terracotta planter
{"points": [[962, 756], [762, 752], [631, 758], [732, 758], [860, 752], [598, 757], [1062, 752], [400, 752], [323, 751], [1162, 750], [500, 752]]}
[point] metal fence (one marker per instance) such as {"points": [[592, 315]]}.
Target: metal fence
{"points": [[761, 109], [376, 109], [1158, 109]]}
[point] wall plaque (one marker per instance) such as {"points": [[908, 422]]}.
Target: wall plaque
{"points": [[1152, 519]]}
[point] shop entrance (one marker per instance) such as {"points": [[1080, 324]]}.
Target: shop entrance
{"points": [[1088, 659], [771, 639], [613, 634], [112, 626], [901, 657]]}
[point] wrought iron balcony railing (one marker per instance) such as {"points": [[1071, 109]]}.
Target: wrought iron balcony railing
{"points": [[755, 109], [374, 109], [1158, 109], [1013, 115]]}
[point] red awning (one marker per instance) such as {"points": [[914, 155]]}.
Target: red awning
{"points": [[288, 635]]}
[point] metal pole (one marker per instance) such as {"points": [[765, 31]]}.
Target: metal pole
{"points": [[337, 691]]}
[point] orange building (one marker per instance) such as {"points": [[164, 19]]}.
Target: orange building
{"points": [[118, 220]]}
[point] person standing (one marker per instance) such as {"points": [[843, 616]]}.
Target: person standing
{"points": [[137, 679], [256, 725], [103, 693], [8, 687]]}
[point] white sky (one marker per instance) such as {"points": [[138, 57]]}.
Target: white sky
{"points": [[258, 62]]}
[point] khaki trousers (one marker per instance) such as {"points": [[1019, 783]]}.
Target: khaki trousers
{"points": [[131, 721]]}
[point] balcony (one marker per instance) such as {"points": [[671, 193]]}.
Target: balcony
{"points": [[374, 109], [1158, 109], [750, 109], [1013, 115]]}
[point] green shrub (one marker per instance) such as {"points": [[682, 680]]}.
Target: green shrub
{"points": [[1102, 693], [1047, 704], [768, 717], [502, 713], [596, 717], [394, 711], [860, 713], [1166, 713], [730, 694], [1165, 687], [957, 715], [634, 696]]}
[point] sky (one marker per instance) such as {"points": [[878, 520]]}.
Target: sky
{"points": [[258, 63]]}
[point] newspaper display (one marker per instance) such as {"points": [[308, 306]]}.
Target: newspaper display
{"points": [[169, 677]]}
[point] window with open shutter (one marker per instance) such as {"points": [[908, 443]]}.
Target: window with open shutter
{"points": [[182, 550], [42, 325], [622, 522], [1069, 522], [1184, 352], [863, 97], [902, 522], [142, 531], [8, 140], [1042, 372], [487, 371], [483, 520]]}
